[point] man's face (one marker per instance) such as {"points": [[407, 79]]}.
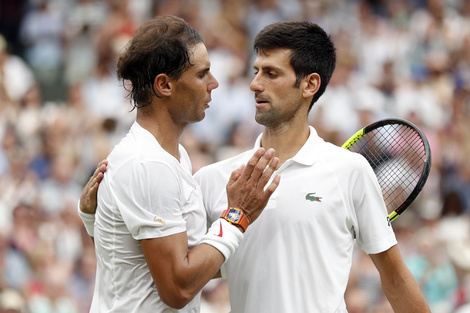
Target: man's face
{"points": [[193, 89], [277, 100]]}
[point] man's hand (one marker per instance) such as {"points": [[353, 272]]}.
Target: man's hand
{"points": [[246, 187], [89, 197]]}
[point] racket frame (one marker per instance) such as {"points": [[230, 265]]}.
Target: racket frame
{"points": [[427, 162]]}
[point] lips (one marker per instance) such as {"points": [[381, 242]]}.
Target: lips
{"points": [[260, 102], [260, 98]]}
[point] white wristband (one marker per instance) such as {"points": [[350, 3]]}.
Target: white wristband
{"points": [[88, 221], [223, 236]]}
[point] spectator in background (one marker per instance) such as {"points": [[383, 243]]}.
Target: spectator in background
{"points": [[60, 187], [104, 97], [43, 38], [83, 23], [11, 17], [11, 301], [16, 77], [459, 253]]}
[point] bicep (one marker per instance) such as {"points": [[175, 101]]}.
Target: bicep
{"points": [[164, 255], [388, 262]]}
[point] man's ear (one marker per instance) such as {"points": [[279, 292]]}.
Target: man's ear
{"points": [[162, 85], [312, 83]]}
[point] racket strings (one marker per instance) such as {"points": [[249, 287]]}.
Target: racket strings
{"points": [[397, 156]]}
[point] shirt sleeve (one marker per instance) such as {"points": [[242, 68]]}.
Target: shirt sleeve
{"points": [[148, 196], [374, 233]]}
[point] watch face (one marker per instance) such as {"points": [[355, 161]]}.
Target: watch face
{"points": [[234, 215]]}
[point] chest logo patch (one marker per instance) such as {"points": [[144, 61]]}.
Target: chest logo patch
{"points": [[311, 196], [159, 220]]}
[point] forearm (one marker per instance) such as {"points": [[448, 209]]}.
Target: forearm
{"points": [[398, 283], [180, 274], [222, 239], [404, 295], [201, 265]]}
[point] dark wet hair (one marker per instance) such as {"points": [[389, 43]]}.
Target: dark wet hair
{"points": [[161, 45]]}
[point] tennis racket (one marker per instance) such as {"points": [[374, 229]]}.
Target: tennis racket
{"points": [[400, 156]]}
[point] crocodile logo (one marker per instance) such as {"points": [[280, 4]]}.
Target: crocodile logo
{"points": [[311, 196]]}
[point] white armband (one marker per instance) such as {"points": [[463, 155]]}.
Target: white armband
{"points": [[88, 221], [223, 236]]}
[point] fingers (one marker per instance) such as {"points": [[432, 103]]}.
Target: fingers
{"points": [[88, 199], [246, 187], [272, 187], [266, 173], [235, 175], [256, 170], [97, 174], [264, 179], [252, 163]]}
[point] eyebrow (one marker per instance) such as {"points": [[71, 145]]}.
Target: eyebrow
{"points": [[204, 70], [268, 68]]}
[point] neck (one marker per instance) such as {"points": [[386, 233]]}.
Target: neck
{"points": [[161, 126], [287, 141]]}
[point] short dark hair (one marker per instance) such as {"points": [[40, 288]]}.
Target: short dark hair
{"points": [[312, 49], [161, 45]]}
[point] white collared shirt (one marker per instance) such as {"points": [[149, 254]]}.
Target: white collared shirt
{"points": [[296, 257], [145, 193]]}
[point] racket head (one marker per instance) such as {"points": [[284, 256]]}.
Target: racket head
{"points": [[400, 155]]}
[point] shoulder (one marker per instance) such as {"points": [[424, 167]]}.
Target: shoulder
{"points": [[343, 159], [133, 162]]}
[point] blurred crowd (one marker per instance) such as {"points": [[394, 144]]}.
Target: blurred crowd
{"points": [[62, 110]]}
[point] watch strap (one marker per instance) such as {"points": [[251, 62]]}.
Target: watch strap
{"points": [[241, 219]]}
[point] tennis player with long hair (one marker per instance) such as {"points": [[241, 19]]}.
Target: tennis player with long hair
{"points": [[153, 250]]}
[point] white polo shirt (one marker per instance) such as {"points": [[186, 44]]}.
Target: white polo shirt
{"points": [[145, 193], [296, 257]]}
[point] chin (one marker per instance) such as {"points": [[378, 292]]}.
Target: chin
{"points": [[265, 120], [199, 118]]}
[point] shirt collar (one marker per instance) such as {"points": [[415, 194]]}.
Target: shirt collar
{"points": [[309, 151]]}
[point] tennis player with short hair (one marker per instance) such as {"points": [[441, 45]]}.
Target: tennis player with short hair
{"points": [[153, 252], [298, 255]]}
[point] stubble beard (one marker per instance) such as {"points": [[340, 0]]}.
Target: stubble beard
{"points": [[274, 118], [268, 119]]}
